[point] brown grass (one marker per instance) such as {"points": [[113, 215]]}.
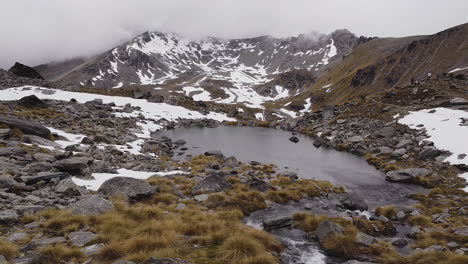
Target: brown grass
{"points": [[387, 211], [58, 254], [8, 250]]}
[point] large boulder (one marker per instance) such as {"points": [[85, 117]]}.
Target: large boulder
{"points": [[327, 228], [211, 184], [91, 205], [129, 188], [28, 127], [44, 176], [8, 216], [407, 175], [25, 71], [10, 151], [354, 201], [429, 152], [68, 188], [277, 223], [31, 101], [75, 166]]}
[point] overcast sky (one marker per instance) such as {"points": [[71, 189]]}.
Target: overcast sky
{"points": [[39, 31]]}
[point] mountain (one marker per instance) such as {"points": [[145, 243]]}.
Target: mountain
{"points": [[384, 63], [228, 71]]}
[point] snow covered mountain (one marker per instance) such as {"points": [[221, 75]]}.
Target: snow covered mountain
{"points": [[210, 69]]}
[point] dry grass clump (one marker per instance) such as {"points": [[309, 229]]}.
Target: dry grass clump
{"points": [[387, 211], [198, 163], [59, 254], [433, 257], [343, 244], [441, 237], [62, 222], [309, 222], [36, 113], [239, 197], [8, 250], [420, 220], [375, 228]]}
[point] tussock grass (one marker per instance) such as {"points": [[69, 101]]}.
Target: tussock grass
{"points": [[387, 211], [63, 222], [420, 220], [369, 227], [8, 250], [58, 254], [198, 163]]}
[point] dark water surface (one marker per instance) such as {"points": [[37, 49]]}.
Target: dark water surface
{"points": [[268, 145]]}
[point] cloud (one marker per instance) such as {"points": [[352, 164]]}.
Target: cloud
{"points": [[36, 32]]}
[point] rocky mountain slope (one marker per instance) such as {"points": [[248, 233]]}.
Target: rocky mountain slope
{"points": [[381, 64], [209, 69]]}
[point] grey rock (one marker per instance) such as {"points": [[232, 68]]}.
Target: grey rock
{"points": [[276, 223], [399, 242], [211, 184], [413, 233], [461, 231], [3, 259], [326, 228], [129, 188], [407, 175], [68, 188], [93, 249], [123, 262], [290, 174], [429, 152], [44, 176], [400, 215], [201, 198], [91, 205], [180, 206], [28, 127], [74, 166], [48, 241], [80, 239], [404, 143], [8, 216], [10, 151], [7, 182], [259, 185], [459, 101], [399, 153], [354, 201], [385, 150], [355, 139], [17, 236], [365, 239], [230, 162]]}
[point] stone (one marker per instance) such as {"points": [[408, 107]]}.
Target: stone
{"points": [[363, 239], [8, 216], [290, 174], [44, 176], [129, 188], [180, 206], [180, 142], [201, 198], [211, 184], [400, 215], [294, 139], [80, 239], [93, 249], [230, 162], [398, 153], [68, 188], [15, 237], [413, 233], [11, 151], [74, 166], [355, 139], [22, 70], [47, 241], [385, 150], [404, 143], [459, 101], [399, 242], [276, 223], [153, 260], [259, 185], [31, 101], [91, 205], [354, 201], [26, 126], [7, 182], [429, 152], [123, 262], [215, 153], [326, 228], [407, 175], [461, 231]]}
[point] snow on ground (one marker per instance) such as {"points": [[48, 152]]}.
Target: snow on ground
{"points": [[307, 106], [71, 139], [445, 130], [288, 112], [458, 69], [100, 178], [120, 84], [465, 176], [259, 116]]}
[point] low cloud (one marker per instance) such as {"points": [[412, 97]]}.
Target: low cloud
{"points": [[35, 32]]}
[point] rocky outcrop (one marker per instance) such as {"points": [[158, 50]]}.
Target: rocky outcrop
{"points": [[25, 71], [91, 205], [327, 228], [211, 184], [130, 189], [407, 175], [26, 126]]}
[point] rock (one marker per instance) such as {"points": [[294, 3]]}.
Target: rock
{"points": [[386, 132], [453, 245], [326, 228], [44, 176], [385, 150], [166, 261], [25, 71], [15, 237], [400, 215], [215, 153], [290, 174], [28, 127], [129, 188], [12, 151], [407, 175], [399, 242], [8, 216], [180, 142], [7, 182], [294, 139], [259, 185], [429, 152], [32, 139], [277, 223], [459, 101], [358, 262], [3, 259], [74, 166], [404, 143], [123, 262], [363, 239], [68, 188], [399, 153], [355, 139], [47, 241], [31, 101], [93, 249], [180, 206], [80, 239], [461, 231], [230, 162], [354, 201], [91, 205], [413, 233], [38, 167], [201, 198], [211, 184]]}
